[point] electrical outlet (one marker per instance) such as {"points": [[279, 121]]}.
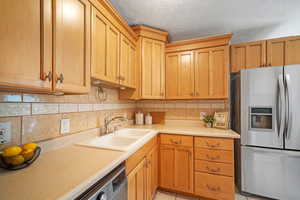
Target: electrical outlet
{"points": [[5, 132], [202, 115], [65, 126]]}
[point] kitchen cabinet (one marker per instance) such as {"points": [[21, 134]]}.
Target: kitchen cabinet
{"points": [[26, 45], [152, 172], [283, 51], [198, 74], [72, 46], [45, 55], [248, 55], [137, 182], [127, 63], [176, 163]]}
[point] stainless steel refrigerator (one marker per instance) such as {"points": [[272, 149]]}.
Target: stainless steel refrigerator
{"points": [[266, 113]]}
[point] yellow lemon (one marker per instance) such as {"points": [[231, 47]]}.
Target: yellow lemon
{"points": [[27, 154], [11, 151], [15, 160], [29, 146]]}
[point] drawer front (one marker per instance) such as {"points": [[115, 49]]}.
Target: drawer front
{"points": [[214, 186], [214, 143], [214, 155], [181, 140], [214, 168]]}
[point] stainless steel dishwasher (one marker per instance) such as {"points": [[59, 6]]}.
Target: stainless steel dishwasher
{"points": [[112, 187]]}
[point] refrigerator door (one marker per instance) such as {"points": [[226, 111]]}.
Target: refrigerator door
{"points": [[272, 173], [262, 107], [292, 83]]}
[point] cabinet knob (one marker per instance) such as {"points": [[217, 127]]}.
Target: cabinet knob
{"points": [[60, 78], [47, 76]]}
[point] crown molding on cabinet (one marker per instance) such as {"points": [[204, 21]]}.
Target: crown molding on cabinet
{"points": [[149, 32]]}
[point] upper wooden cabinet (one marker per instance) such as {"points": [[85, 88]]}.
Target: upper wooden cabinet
{"points": [[72, 46], [273, 52], [248, 55], [26, 45], [198, 74]]}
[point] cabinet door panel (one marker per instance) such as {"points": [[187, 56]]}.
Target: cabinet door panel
{"points": [[112, 55], [167, 165], [276, 52], [292, 51], [202, 73], [26, 45], [124, 61], [152, 172], [158, 69], [147, 53], [256, 54], [132, 67], [137, 182], [184, 170], [186, 75], [172, 75], [238, 58], [218, 84], [72, 45], [99, 40]]}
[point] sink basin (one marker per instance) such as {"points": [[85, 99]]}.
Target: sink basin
{"points": [[132, 133], [121, 140]]}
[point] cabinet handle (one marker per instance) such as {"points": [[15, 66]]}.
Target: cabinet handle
{"points": [[47, 76], [60, 78], [174, 142], [212, 145], [213, 188], [212, 170]]}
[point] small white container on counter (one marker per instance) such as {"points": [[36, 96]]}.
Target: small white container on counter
{"points": [[139, 118], [148, 119]]}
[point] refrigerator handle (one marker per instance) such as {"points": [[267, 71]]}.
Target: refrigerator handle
{"points": [[288, 111], [281, 108]]}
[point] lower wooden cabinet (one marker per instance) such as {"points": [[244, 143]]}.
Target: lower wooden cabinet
{"points": [[176, 168], [137, 182], [152, 172]]}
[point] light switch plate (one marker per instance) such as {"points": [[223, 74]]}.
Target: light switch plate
{"points": [[202, 115], [65, 126], [5, 132]]}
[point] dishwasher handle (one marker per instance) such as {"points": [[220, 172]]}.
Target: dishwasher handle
{"points": [[102, 196]]}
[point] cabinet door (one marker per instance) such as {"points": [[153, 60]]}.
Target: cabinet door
{"points": [[184, 169], [202, 73], [153, 69], [172, 75], [186, 75], [152, 172], [112, 55], [276, 52], [238, 58], [219, 72], [137, 182], [167, 166], [26, 45], [72, 46], [292, 50], [132, 67], [100, 27], [256, 54], [124, 61]]}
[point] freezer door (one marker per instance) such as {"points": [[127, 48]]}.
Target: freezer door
{"points": [[262, 110], [292, 82], [271, 173]]}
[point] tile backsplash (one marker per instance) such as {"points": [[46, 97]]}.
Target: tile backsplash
{"points": [[36, 117]]}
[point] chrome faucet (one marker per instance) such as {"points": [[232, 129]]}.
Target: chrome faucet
{"points": [[107, 122]]}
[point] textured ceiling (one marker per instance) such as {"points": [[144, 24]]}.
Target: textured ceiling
{"points": [[187, 19]]}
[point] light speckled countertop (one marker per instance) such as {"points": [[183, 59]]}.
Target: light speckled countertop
{"points": [[68, 171]]}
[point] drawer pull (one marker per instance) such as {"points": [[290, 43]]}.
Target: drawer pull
{"points": [[175, 142], [212, 158], [213, 170], [213, 188], [212, 145]]}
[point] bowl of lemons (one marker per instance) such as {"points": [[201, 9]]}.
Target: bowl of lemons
{"points": [[19, 157]]}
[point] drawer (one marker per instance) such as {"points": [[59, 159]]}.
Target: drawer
{"points": [[214, 167], [214, 155], [214, 143], [181, 140], [214, 186]]}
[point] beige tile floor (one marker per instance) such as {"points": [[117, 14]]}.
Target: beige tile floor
{"points": [[162, 195]]}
